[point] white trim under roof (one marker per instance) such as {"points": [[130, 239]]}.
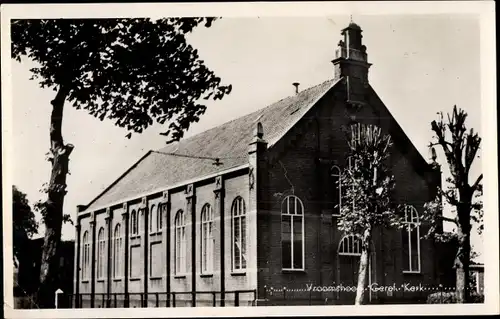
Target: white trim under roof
{"points": [[161, 189]]}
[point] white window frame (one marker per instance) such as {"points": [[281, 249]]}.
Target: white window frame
{"points": [[101, 249], [117, 252], [159, 217], [412, 220], [349, 245], [356, 133], [153, 220], [207, 240], [85, 256], [134, 223], [293, 217], [336, 173], [180, 248], [238, 219]]}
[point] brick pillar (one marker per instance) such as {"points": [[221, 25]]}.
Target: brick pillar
{"points": [[77, 267], [109, 224], [126, 250], [145, 242], [219, 208], [166, 239], [191, 211], [257, 202], [93, 263]]}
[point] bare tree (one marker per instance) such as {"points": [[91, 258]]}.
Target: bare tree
{"points": [[460, 149]]}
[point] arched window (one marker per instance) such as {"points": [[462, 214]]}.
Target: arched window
{"points": [[292, 233], [350, 245], [134, 223], [207, 239], [101, 253], [238, 235], [411, 240], [153, 219], [117, 252], [337, 189], [180, 243], [86, 256], [159, 217]]}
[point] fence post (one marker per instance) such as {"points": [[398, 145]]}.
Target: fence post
{"points": [[284, 293], [142, 299], [441, 293], [310, 296], [156, 295], [114, 297], [214, 297], [236, 298], [173, 299], [193, 304], [56, 297]]}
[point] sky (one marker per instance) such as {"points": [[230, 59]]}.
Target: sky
{"points": [[422, 64]]}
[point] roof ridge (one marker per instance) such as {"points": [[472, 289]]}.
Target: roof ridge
{"points": [[261, 110]]}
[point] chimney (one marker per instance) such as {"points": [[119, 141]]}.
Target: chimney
{"points": [[296, 84]]}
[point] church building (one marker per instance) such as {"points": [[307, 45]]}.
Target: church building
{"points": [[246, 213]]}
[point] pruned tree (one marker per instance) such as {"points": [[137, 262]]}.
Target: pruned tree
{"points": [[132, 71], [460, 148], [368, 185], [24, 227]]}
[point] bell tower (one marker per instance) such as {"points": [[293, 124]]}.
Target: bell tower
{"points": [[351, 62]]}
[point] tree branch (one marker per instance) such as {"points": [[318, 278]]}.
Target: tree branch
{"points": [[476, 183]]}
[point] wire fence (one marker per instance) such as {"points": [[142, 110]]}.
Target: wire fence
{"points": [[235, 298]]}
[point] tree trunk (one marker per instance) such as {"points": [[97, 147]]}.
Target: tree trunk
{"points": [[462, 263], [364, 265], [53, 206]]}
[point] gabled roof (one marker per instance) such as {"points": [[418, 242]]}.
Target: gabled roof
{"points": [[229, 142]]}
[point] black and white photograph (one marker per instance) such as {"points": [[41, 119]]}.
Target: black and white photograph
{"points": [[288, 158]]}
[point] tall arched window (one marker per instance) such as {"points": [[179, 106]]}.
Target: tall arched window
{"points": [[337, 189], [238, 235], [117, 252], [411, 240], [292, 233], [86, 256], [207, 239], [180, 243], [159, 217], [134, 223], [153, 219], [350, 245], [101, 253]]}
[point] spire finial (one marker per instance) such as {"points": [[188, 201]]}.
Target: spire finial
{"points": [[351, 18]]}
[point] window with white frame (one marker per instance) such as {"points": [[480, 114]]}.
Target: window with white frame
{"points": [[117, 252], [153, 219], [356, 133], [335, 173], [350, 245], [159, 217], [134, 223], [86, 256], [101, 253], [411, 240], [238, 235], [292, 233], [207, 239], [180, 243]]}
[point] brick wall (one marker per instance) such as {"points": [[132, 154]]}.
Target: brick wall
{"points": [[319, 135]]}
